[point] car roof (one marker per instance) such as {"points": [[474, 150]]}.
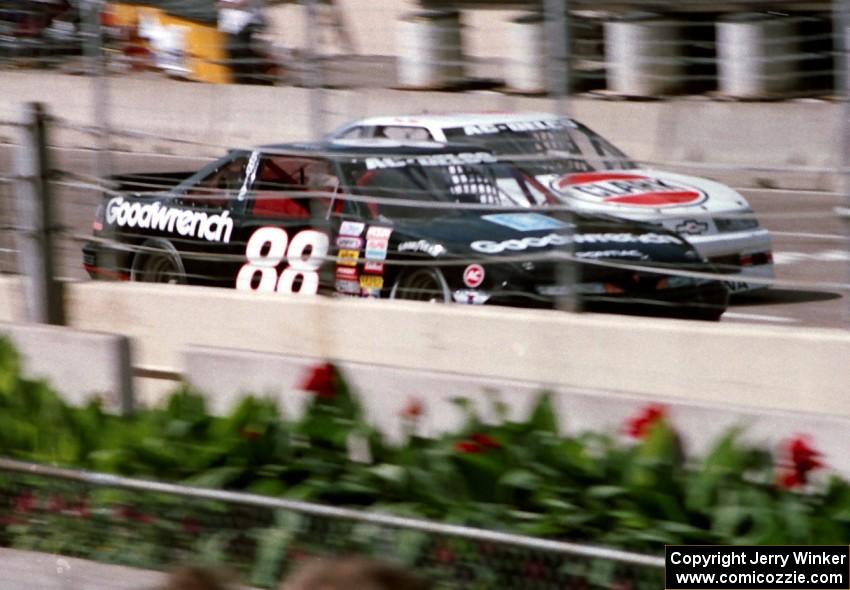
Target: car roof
{"points": [[447, 120], [371, 147]]}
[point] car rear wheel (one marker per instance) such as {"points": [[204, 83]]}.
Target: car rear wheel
{"points": [[158, 262], [424, 284]]}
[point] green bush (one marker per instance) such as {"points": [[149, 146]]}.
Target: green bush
{"points": [[635, 492]]}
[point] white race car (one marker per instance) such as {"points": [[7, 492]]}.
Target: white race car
{"points": [[590, 174]]}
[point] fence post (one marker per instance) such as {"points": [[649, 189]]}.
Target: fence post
{"points": [[841, 39], [43, 293], [100, 85], [314, 69], [556, 16]]}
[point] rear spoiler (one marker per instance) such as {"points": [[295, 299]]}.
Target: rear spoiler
{"points": [[147, 182]]}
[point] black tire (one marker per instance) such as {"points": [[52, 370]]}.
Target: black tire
{"points": [[423, 284], [158, 261]]}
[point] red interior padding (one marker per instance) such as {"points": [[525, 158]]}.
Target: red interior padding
{"points": [[270, 204], [363, 181]]}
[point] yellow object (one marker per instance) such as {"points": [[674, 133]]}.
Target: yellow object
{"points": [[204, 45], [371, 282]]}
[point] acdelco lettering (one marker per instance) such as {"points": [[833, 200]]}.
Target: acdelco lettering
{"points": [[156, 216], [517, 126], [431, 160]]}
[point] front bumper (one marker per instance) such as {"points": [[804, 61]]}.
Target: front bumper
{"points": [[738, 256]]}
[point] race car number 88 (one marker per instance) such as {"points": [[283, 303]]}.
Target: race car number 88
{"points": [[267, 248]]}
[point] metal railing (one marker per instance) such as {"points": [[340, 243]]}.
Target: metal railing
{"points": [[156, 526]]}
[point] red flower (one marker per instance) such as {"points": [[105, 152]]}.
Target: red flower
{"points": [[25, 502], [413, 410], [250, 434], [639, 426], [321, 380], [803, 456], [485, 440], [131, 513], [191, 526], [468, 447], [81, 509], [789, 479], [56, 503], [799, 460], [534, 570], [443, 554], [477, 443]]}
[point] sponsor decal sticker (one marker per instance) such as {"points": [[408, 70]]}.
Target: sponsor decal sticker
{"points": [[379, 233], [473, 276], [422, 246], [347, 287], [629, 189], [517, 245], [346, 272], [349, 243], [351, 228], [517, 126], [371, 282], [525, 221], [470, 296], [160, 217], [377, 249], [348, 257], [373, 267], [431, 160], [612, 254], [692, 226]]}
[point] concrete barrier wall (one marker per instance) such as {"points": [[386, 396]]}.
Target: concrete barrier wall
{"points": [[78, 364], [753, 366], [206, 118], [226, 374]]}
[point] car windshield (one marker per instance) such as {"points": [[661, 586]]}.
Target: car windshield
{"points": [[397, 182], [556, 146]]}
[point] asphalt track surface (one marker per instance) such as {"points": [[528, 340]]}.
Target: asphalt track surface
{"points": [[809, 240]]}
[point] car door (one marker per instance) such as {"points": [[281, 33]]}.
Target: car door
{"points": [[284, 228], [206, 208]]}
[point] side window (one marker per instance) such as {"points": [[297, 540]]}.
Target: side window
{"points": [[403, 133], [287, 186], [219, 187], [606, 155], [354, 133]]}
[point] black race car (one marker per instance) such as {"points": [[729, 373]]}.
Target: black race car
{"points": [[383, 219]]}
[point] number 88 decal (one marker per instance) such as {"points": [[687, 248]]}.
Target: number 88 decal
{"points": [[267, 248]]}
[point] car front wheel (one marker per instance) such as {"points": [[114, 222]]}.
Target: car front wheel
{"points": [[424, 284]]}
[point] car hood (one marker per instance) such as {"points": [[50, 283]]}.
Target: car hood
{"points": [[645, 194]]}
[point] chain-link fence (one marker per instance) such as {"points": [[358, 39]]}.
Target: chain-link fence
{"points": [[155, 526], [332, 62], [706, 154]]}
